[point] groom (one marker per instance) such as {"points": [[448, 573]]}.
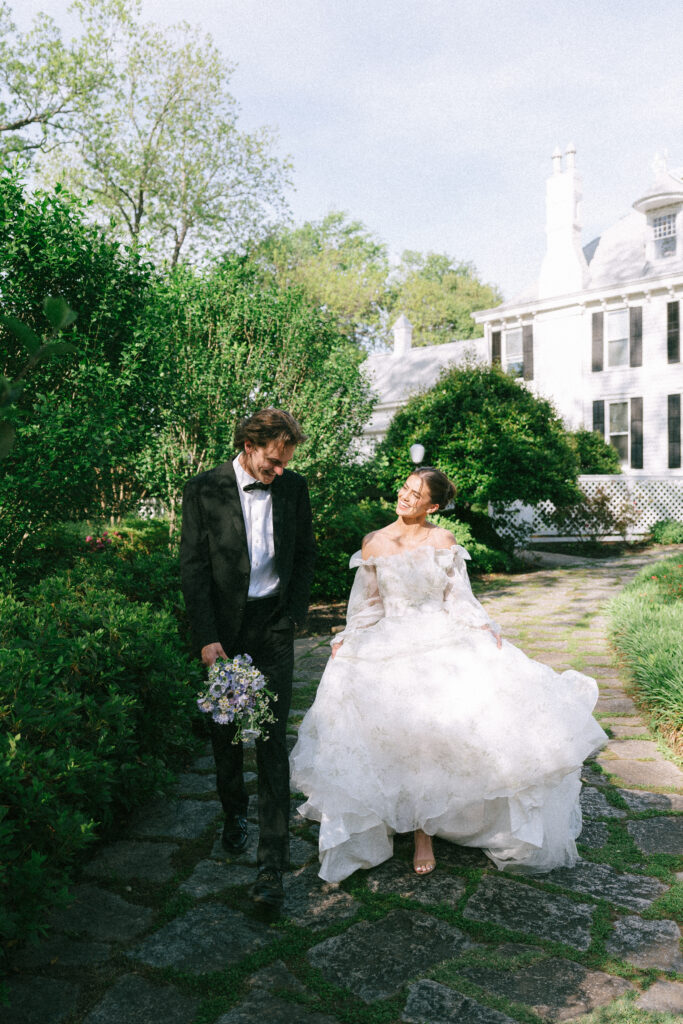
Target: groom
{"points": [[246, 560]]}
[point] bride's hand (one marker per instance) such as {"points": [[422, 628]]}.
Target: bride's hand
{"points": [[336, 648], [496, 636]]}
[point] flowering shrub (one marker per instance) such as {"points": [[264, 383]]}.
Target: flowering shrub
{"points": [[102, 542]]}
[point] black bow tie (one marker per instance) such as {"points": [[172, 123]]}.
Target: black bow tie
{"points": [[256, 486]]}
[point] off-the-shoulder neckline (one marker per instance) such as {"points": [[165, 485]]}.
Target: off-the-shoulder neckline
{"points": [[358, 560]]}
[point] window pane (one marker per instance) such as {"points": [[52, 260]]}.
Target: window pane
{"points": [[620, 442], [513, 345], [618, 418], [617, 352], [664, 226], [617, 325], [514, 360], [665, 246]]}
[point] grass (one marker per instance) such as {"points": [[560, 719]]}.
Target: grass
{"points": [[646, 624]]}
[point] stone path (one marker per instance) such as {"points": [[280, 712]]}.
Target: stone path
{"points": [[161, 930]]}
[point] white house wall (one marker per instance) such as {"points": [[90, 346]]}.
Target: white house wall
{"points": [[559, 362]]}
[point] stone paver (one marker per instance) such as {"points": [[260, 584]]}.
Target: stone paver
{"points": [[211, 877], [658, 835], [647, 943], [431, 1003], [36, 1000], [635, 892], [522, 908], [594, 804], [163, 902], [409, 944], [398, 879], [594, 834], [174, 819], [207, 938], [129, 859], [657, 774], [663, 997], [102, 915], [555, 989], [263, 1005], [134, 1000], [191, 783], [312, 903]]}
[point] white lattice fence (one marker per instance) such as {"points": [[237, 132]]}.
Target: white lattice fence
{"points": [[648, 498]]}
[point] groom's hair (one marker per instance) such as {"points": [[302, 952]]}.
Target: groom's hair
{"points": [[268, 425]]}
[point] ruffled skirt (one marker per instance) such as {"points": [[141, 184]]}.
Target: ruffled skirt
{"points": [[418, 723]]}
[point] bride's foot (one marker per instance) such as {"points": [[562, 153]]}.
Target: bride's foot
{"points": [[423, 859]]}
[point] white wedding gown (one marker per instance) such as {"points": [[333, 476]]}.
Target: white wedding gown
{"points": [[421, 721]]}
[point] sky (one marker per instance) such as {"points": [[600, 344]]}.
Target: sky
{"points": [[433, 121]]}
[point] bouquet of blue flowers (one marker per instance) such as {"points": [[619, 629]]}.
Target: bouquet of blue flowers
{"points": [[236, 694]]}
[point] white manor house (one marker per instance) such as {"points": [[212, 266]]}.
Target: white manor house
{"points": [[598, 333]]}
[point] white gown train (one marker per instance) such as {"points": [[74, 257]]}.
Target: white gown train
{"points": [[421, 721]]}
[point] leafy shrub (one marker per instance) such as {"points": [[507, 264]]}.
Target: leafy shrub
{"points": [[647, 628], [495, 439], [594, 454], [341, 534], [484, 558], [96, 699], [667, 531]]}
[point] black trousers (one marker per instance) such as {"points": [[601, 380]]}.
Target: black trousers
{"points": [[268, 637]]}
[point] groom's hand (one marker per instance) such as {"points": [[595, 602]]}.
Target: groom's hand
{"points": [[211, 653]]}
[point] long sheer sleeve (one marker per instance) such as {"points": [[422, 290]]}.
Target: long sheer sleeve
{"points": [[459, 600], [365, 606]]}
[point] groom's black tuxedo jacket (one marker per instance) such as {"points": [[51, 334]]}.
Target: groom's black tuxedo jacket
{"points": [[214, 557]]}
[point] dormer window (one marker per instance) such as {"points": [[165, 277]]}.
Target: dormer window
{"points": [[664, 235]]}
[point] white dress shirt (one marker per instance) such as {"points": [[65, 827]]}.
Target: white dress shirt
{"points": [[257, 511]]}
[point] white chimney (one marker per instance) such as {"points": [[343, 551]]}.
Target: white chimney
{"points": [[564, 267], [403, 335]]}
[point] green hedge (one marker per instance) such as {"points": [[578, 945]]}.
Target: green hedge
{"points": [[96, 701], [667, 531], [647, 628]]}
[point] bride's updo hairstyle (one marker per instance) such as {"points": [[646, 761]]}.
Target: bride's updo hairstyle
{"points": [[441, 489]]}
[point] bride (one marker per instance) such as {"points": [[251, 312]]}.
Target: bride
{"points": [[426, 721]]}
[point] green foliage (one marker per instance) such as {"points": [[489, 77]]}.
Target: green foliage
{"points": [[160, 153], [44, 82], [438, 294], [338, 537], [220, 346], [82, 418], [96, 698], [484, 557], [667, 531], [593, 453], [493, 438], [338, 264], [60, 316], [646, 622]]}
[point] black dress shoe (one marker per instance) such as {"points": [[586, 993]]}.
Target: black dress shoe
{"points": [[235, 833], [267, 889]]}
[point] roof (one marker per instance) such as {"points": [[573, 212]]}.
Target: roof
{"points": [[618, 255], [396, 377]]}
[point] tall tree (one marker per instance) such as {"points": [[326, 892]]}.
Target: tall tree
{"points": [[45, 82], [151, 127], [341, 267], [438, 294]]}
